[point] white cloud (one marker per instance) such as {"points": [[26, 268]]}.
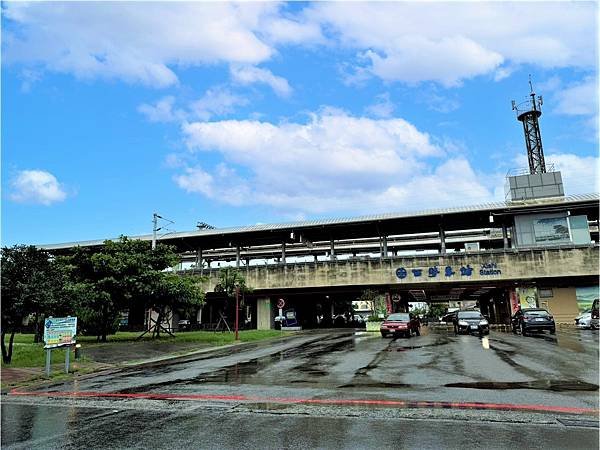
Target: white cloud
{"points": [[136, 42], [579, 173], [447, 61], [36, 186], [397, 41], [216, 101], [246, 75], [161, 111], [333, 163], [578, 99], [453, 41]]}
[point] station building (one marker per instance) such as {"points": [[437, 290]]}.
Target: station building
{"points": [[531, 251], [537, 248]]}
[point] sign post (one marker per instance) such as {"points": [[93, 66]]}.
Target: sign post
{"points": [[59, 332], [48, 358], [280, 305]]}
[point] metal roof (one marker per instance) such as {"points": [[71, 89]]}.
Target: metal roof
{"points": [[221, 232]]}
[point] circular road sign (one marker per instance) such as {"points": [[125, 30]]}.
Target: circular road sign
{"points": [[280, 303]]}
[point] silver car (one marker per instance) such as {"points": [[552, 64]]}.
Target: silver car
{"points": [[584, 320]]}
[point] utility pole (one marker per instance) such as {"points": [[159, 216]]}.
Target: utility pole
{"points": [[155, 228]]}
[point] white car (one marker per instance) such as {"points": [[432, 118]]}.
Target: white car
{"points": [[584, 320]]}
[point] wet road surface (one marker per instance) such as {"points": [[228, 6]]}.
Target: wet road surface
{"points": [[331, 389]]}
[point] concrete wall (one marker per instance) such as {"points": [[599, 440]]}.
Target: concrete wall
{"points": [[562, 305], [489, 266]]}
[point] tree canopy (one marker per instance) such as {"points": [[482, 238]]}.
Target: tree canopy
{"points": [[32, 285], [120, 274]]}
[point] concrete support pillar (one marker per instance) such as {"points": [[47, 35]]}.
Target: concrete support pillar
{"points": [[199, 262], [332, 309], [332, 249], [237, 256], [316, 259], [384, 248], [283, 253], [264, 314], [505, 236], [442, 240]]}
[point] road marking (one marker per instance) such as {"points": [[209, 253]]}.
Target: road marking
{"points": [[318, 401]]}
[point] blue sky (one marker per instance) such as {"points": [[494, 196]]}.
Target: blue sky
{"points": [[236, 114]]}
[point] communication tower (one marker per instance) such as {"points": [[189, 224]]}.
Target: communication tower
{"points": [[541, 180], [529, 112]]}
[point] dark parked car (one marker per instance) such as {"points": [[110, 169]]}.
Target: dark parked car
{"points": [[471, 322], [400, 323], [449, 317], [533, 319]]}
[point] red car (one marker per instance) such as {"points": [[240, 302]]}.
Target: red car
{"points": [[400, 323]]}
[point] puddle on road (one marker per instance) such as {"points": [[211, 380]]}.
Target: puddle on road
{"points": [[375, 384], [546, 385], [243, 372]]}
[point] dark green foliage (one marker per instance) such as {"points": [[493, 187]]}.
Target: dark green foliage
{"points": [[121, 274], [229, 280], [437, 310], [169, 291], [32, 287]]}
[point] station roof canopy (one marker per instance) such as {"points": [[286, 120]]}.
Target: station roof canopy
{"points": [[455, 218]]}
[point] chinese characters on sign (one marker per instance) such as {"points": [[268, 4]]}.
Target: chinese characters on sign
{"points": [[489, 268], [59, 331]]}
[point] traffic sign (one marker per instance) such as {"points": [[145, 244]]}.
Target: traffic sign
{"points": [[280, 303]]}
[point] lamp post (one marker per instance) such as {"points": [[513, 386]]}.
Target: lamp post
{"points": [[237, 311]]}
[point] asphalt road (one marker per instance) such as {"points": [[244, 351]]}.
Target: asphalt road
{"points": [[333, 389]]}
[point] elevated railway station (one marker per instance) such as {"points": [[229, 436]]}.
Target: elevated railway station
{"points": [[538, 248], [485, 255]]}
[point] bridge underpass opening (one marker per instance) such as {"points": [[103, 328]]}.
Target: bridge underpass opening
{"points": [[335, 307]]}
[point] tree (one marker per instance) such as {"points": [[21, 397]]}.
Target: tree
{"points": [[108, 280], [436, 310], [32, 285], [230, 282], [376, 300], [170, 291]]}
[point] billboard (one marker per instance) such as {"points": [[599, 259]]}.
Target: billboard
{"points": [[585, 297], [59, 331], [528, 297], [551, 230]]}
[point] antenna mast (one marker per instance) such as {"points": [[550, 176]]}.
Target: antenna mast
{"points": [[528, 113]]}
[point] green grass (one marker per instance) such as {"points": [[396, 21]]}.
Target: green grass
{"points": [[34, 355], [28, 354]]}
